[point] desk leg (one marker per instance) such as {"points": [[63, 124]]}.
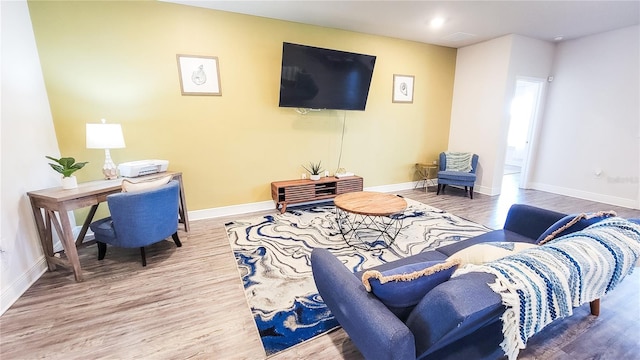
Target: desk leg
{"points": [[44, 234], [68, 242], [86, 224], [183, 212], [70, 245]]}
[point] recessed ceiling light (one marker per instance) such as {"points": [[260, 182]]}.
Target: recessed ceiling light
{"points": [[558, 38], [437, 22]]}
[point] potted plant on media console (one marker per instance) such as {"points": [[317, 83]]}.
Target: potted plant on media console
{"points": [[67, 166], [314, 170]]}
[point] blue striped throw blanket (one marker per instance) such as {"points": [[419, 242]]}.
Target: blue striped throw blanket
{"points": [[545, 283], [458, 161]]}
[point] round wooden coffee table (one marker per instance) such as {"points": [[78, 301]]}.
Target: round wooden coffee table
{"points": [[369, 220]]}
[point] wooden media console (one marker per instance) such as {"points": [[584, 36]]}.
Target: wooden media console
{"points": [[300, 191]]}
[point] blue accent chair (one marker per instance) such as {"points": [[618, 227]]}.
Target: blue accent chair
{"points": [[139, 219], [457, 178]]}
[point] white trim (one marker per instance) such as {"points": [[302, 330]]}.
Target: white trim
{"points": [[393, 187], [211, 213], [586, 195], [230, 210], [481, 189], [11, 293], [486, 190], [534, 129], [269, 205]]}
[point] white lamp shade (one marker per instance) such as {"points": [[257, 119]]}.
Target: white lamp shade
{"points": [[104, 136]]}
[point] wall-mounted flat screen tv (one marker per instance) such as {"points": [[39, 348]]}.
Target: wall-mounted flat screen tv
{"points": [[318, 78]]}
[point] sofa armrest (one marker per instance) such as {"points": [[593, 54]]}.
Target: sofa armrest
{"points": [[372, 327], [530, 221]]}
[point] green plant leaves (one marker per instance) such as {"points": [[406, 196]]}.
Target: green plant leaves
{"points": [[314, 169], [66, 165]]}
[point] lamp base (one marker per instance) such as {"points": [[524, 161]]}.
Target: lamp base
{"points": [[110, 170], [110, 174]]}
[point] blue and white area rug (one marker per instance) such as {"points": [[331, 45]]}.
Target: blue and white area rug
{"points": [[273, 254]]}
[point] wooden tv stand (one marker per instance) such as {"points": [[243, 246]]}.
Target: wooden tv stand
{"points": [[300, 191]]}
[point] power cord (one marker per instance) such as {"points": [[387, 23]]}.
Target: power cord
{"points": [[305, 111], [344, 122]]}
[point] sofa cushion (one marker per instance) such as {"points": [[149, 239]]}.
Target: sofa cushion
{"points": [[482, 253], [453, 310], [406, 285], [455, 175], [103, 228], [572, 223]]}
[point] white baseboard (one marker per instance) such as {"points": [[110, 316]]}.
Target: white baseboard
{"points": [[486, 190], [586, 195], [230, 210], [269, 205], [393, 187], [211, 213], [480, 189], [13, 291]]}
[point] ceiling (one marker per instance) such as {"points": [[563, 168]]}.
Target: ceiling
{"points": [[465, 22]]}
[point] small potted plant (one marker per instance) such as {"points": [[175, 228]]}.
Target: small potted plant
{"points": [[67, 166], [314, 169]]}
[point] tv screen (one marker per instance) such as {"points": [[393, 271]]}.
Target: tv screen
{"points": [[318, 78]]}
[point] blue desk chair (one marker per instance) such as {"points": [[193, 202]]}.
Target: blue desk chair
{"points": [[139, 219], [457, 178]]}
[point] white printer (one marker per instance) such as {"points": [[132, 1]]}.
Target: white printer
{"points": [[142, 167]]}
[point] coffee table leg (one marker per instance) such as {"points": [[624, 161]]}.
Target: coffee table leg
{"points": [[368, 232]]}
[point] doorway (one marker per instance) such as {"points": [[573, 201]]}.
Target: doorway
{"points": [[524, 111]]}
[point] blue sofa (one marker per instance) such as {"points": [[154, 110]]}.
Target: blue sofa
{"points": [[458, 319]]}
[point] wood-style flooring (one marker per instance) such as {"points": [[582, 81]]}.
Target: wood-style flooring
{"points": [[188, 303]]}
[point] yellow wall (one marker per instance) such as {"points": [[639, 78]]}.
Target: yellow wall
{"points": [[117, 60]]}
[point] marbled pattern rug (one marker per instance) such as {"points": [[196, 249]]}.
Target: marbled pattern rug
{"points": [[273, 254]]}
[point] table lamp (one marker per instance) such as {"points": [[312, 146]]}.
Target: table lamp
{"points": [[106, 136]]}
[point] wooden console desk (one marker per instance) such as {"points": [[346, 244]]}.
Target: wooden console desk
{"points": [[46, 203]]}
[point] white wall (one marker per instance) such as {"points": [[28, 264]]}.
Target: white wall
{"points": [[592, 120], [27, 135], [477, 111], [484, 86]]}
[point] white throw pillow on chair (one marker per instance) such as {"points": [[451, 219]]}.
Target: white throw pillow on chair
{"points": [[130, 186]]}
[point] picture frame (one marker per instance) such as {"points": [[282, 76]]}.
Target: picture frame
{"points": [[199, 75], [403, 88]]}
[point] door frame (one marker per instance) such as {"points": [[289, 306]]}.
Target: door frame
{"points": [[532, 133]]}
